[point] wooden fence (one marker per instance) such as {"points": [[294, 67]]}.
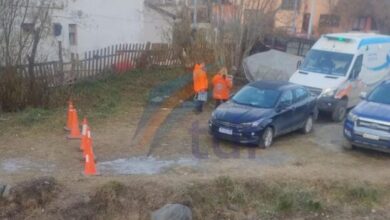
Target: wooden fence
{"points": [[110, 60]]}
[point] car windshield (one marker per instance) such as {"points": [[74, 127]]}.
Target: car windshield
{"points": [[256, 97], [325, 62], [380, 95]]}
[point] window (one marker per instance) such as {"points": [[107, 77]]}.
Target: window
{"points": [[57, 29], [300, 94], [27, 27], [256, 97], [291, 4], [357, 68], [286, 99], [364, 23], [380, 94], [326, 62], [72, 34], [329, 20]]}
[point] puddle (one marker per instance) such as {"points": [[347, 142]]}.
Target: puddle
{"points": [[142, 165], [15, 165]]}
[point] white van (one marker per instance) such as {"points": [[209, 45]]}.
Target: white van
{"points": [[341, 66]]}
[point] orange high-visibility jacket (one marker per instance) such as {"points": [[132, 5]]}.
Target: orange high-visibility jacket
{"points": [[201, 82], [221, 87]]}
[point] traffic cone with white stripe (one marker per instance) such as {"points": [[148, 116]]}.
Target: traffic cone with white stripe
{"points": [[74, 129], [84, 136], [90, 167], [69, 116], [88, 149]]}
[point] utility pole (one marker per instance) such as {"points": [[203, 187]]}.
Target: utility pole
{"points": [[294, 24], [313, 10], [195, 14]]}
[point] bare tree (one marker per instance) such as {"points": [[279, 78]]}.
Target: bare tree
{"points": [[23, 24], [250, 22]]}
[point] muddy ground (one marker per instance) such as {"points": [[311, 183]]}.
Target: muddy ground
{"points": [[179, 156], [181, 153]]}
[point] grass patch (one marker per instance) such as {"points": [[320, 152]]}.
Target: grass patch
{"points": [[296, 200], [31, 116], [279, 200], [106, 99], [364, 196]]}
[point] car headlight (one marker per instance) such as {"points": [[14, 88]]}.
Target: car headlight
{"points": [[352, 117], [253, 124], [328, 92]]}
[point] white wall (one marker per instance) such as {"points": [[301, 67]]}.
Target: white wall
{"points": [[102, 23]]}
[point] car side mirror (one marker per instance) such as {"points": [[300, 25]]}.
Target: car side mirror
{"points": [[363, 95], [299, 63]]}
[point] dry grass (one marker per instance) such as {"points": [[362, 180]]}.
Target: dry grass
{"points": [[227, 198], [98, 100]]}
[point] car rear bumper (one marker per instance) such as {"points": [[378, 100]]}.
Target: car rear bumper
{"points": [[358, 140]]}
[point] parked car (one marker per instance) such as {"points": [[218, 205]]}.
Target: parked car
{"points": [[263, 110], [368, 124], [341, 66]]}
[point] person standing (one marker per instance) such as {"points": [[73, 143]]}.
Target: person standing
{"points": [[222, 84], [200, 86]]}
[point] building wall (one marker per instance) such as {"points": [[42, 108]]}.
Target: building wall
{"points": [[285, 17], [102, 23]]}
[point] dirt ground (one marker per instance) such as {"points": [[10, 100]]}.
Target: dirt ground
{"points": [[181, 152]]}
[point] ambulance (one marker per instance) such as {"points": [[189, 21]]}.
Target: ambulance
{"points": [[339, 67]]}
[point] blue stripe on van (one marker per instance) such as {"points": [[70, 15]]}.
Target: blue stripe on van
{"points": [[374, 40], [383, 66]]}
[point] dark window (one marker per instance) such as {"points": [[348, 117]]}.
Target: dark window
{"points": [[256, 97], [57, 29], [328, 20], [364, 23], [360, 23], [286, 99], [300, 94], [357, 67], [72, 34], [325, 62], [27, 27], [290, 4], [380, 94]]}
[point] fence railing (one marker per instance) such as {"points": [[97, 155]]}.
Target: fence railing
{"points": [[292, 45], [96, 63]]}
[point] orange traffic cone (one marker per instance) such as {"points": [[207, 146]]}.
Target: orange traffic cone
{"points": [[90, 167], [88, 145], [69, 116], [84, 137], [74, 128]]}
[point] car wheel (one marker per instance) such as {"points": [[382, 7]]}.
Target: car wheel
{"points": [[308, 126], [340, 111], [347, 145], [267, 138]]}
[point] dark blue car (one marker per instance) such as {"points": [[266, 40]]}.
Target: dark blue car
{"points": [[263, 110], [368, 124]]}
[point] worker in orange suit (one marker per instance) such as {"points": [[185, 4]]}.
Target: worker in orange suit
{"points": [[200, 86], [222, 85]]}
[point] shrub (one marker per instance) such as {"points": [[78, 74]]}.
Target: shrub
{"points": [[18, 92]]}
